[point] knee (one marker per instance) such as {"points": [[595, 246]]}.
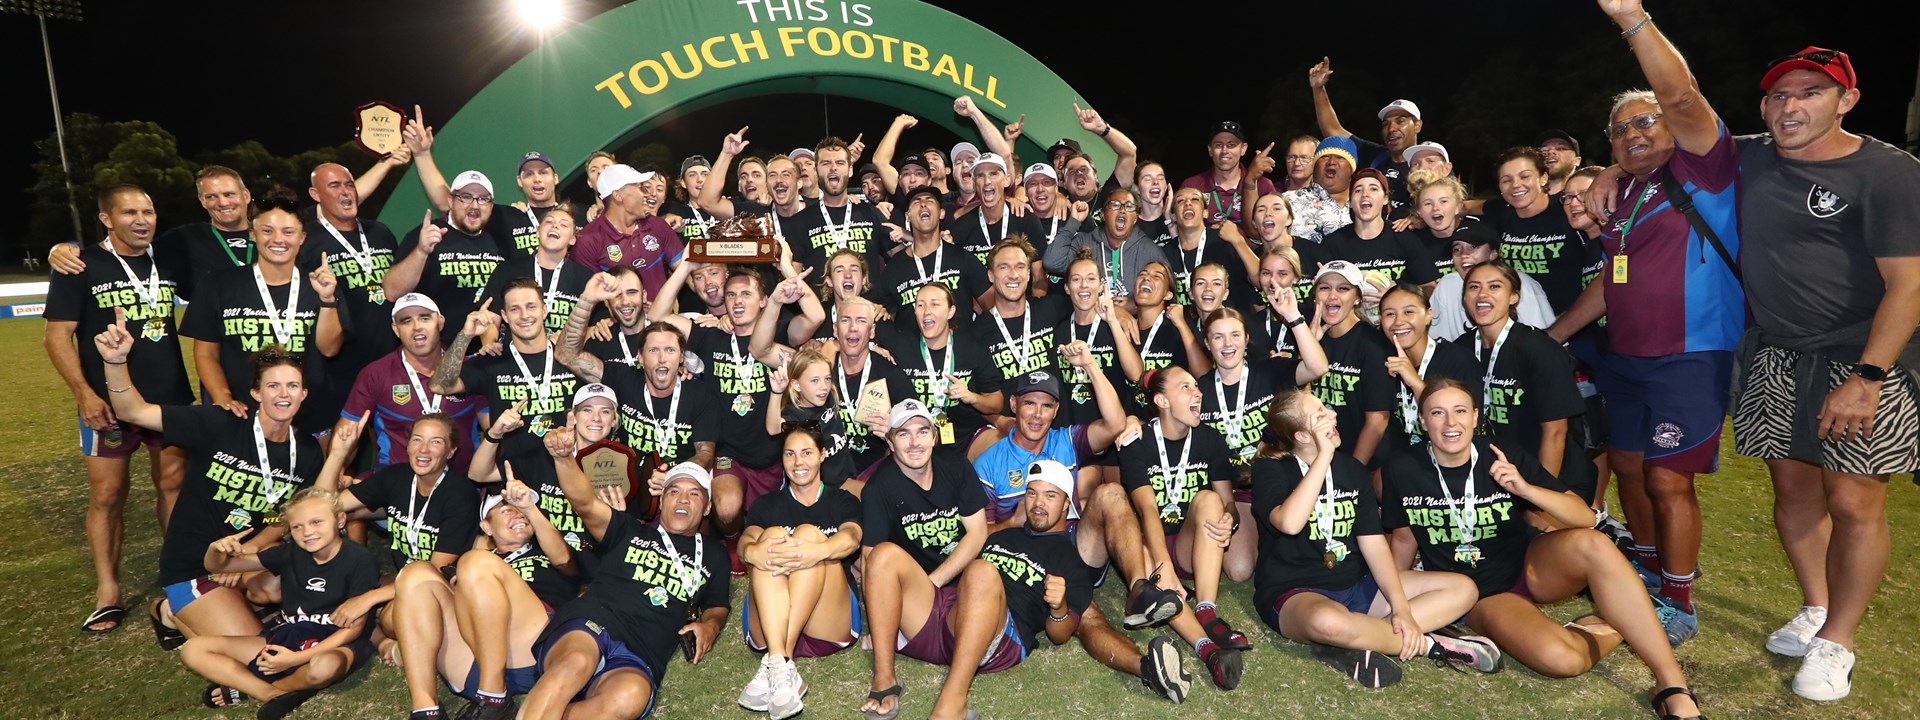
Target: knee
{"points": [[628, 699], [416, 574], [473, 566], [809, 533], [886, 557], [1669, 485], [571, 664], [1853, 503], [107, 493], [1108, 499], [1330, 625], [979, 580], [324, 667], [1560, 661], [1206, 503]]}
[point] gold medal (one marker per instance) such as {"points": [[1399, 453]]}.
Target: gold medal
{"points": [[155, 330], [742, 404], [1330, 560]]}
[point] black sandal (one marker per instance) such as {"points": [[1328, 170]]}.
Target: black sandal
{"points": [[897, 692], [1660, 703], [218, 696], [285, 703], [169, 638], [112, 616]]}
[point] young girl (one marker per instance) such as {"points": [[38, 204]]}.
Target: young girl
{"points": [[1527, 390], [1326, 574], [291, 663], [794, 543], [803, 394], [1416, 359], [1440, 505]]}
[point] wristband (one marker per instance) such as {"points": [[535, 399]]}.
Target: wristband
{"points": [[110, 362], [1105, 131], [488, 437], [330, 304], [1870, 373], [1294, 323]]}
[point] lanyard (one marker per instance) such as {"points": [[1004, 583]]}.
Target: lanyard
{"points": [[687, 574], [742, 363], [939, 251], [1093, 331], [1493, 357], [838, 234], [266, 470], [1634, 216], [1199, 257], [938, 380], [626, 352], [1239, 410], [1464, 521], [281, 323], [1409, 408], [544, 386], [553, 286], [1113, 271], [1023, 352], [362, 255], [840, 375], [982, 216], [663, 429], [698, 219], [1323, 507], [228, 249], [1147, 344], [150, 292], [413, 520], [429, 402], [1166, 469]]}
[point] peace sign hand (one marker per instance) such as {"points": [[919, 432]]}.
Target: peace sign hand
{"points": [[735, 143]]}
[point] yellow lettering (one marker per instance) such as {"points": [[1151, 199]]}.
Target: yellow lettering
{"points": [[659, 74], [993, 83], [613, 83], [706, 51], [790, 39], [674, 65], [913, 55], [740, 48], [864, 39], [945, 67], [967, 82], [813, 41], [886, 46]]}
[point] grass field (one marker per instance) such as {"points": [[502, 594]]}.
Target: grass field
{"points": [[49, 670]]}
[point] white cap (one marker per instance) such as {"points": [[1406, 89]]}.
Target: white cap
{"points": [[990, 159], [413, 300], [495, 500], [1053, 473], [1403, 105], [1408, 154], [905, 410], [797, 152], [1339, 267], [953, 156], [1042, 170], [594, 390], [471, 177], [619, 176], [690, 471]]}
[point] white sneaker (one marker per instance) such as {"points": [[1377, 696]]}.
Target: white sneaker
{"points": [[759, 690], [1793, 638], [1827, 673], [788, 689]]}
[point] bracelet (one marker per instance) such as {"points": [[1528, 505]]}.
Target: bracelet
{"points": [[329, 303], [489, 438], [110, 362], [1637, 27], [1105, 130], [1060, 618], [121, 390]]}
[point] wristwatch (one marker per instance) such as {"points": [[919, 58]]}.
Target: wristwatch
{"points": [[1870, 373], [1294, 323]]}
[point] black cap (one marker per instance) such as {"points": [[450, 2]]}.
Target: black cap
{"points": [[1036, 381], [866, 168], [1068, 144], [1228, 126], [927, 189], [916, 160], [694, 161], [1477, 233], [1557, 134]]}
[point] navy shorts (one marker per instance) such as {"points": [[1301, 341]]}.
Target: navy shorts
{"points": [[302, 635], [1358, 598], [1669, 408], [614, 655], [520, 681]]}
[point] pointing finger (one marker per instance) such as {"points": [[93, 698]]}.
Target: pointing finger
{"points": [[1497, 453], [1267, 151]]}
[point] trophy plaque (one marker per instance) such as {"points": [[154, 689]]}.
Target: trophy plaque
{"points": [[376, 127], [609, 464], [873, 400], [747, 238]]}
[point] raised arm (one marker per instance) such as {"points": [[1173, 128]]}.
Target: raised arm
{"points": [[1126, 154], [989, 135], [404, 276], [527, 502], [369, 182], [574, 484], [115, 345], [662, 307], [1322, 105], [763, 347], [1113, 416], [573, 336], [711, 199], [328, 336], [419, 138], [883, 152], [1692, 121], [446, 376]]}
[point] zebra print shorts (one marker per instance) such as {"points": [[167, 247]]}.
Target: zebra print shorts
{"points": [[1763, 418]]}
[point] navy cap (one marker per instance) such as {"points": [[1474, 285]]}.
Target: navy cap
{"points": [[531, 157], [1036, 381]]}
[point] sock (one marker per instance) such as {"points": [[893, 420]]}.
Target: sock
{"points": [[491, 699], [1678, 588], [1648, 555], [1200, 646], [1204, 613], [1427, 644], [425, 713]]}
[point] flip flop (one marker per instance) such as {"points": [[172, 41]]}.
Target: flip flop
{"points": [[111, 615], [169, 638], [218, 696], [897, 692]]}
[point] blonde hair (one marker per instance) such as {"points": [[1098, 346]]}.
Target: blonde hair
{"points": [[802, 359], [316, 493], [1420, 180], [1289, 254]]}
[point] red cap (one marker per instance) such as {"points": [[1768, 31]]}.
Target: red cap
{"points": [[1832, 63], [1364, 173]]}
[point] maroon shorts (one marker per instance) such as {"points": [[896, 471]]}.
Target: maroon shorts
{"points": [[1520, 587], [119, 440], [934, 644], [1173, 557], [754, 482], [805, 646]]}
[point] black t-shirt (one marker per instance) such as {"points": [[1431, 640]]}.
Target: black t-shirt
{"points": [[836, 466], [926, 369], [222, 492], [1398, 255], [517, 233], [1024, 560], [831, 509], [1375, 155], [896, 287], [1079, 406], [925, 523], [444, 522], [311, 590], [1175, 481], [1294, 561], [645, 420], [561, 288], [231, 314], [1544, 247], [88, 300], [738, 383], [553, 587], [815, 237], [969, 236], [1356, 382], [1240, 423], [1411, 498], [1435, 250], [457, 273], [1028, 343], [867, 449], [1160, 347], [1404, 432], [366, 315], [694, 222], [643, 592], [206, 249], [499, 380], [533, 465], [1211, 249], [1532, 383]]}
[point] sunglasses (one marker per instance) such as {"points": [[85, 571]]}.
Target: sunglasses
{"points": [[1642, 121]]}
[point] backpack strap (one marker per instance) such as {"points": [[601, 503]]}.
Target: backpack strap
{"points": [[1677, 197]]}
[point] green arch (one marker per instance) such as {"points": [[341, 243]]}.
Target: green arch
{"points": [[612, 78]]}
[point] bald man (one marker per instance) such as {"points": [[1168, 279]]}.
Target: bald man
{"points": [[358, 251]]}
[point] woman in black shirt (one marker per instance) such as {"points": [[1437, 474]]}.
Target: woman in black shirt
{"points": [[1405, 317], [1438, 506], [1326, 576]]}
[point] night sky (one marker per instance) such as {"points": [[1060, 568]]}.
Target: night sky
{"points": [[217, 73]]}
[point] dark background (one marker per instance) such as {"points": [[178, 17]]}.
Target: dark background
{"points": [[212, 76]]}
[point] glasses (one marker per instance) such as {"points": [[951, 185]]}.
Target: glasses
{"points": [[1291, 159], [1121, 206], [472, 199], [1642, 121]]}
